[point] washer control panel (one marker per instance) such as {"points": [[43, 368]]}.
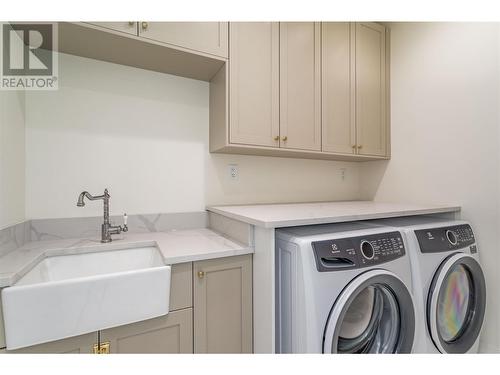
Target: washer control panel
{"points": [[436, 240], [357, 252]]}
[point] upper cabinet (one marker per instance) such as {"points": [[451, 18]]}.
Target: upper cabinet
{"points": [[354, 107], [124, 27], [300, 85], [371, 111], [193, 50], [338, 77], [303, 89], [207, 37], [315, 90], [253, 84]]}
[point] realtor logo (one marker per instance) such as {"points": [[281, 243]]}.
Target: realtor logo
{"points": [[29, 56]]}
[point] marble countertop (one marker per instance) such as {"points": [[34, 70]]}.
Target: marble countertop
{"points": [[288, 215], [176, 246]]}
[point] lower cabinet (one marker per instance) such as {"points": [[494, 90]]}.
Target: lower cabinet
{"points": [[83, 344], [223, 305], [210, 312], [172, 333]]}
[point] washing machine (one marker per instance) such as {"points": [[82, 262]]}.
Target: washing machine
{"points": [[343, 288], [450, 288]]}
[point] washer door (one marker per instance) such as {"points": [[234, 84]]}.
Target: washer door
{"points": [[456, 304], [373, 314]]}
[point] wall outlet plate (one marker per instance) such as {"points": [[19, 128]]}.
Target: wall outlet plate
{"points": [[343, 173], [233, 172]]}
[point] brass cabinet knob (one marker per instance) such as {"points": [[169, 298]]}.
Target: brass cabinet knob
{"points": [[354, 146], [360, 146], [277, 138], [130, 23], [201, 274], [285, 138], [144, 26]]}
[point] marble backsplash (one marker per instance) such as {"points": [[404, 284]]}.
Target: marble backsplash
{"points": [[90, 227]]}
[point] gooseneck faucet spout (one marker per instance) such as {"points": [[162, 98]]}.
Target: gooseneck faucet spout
{"points": [[106, 229], [86, 194]]}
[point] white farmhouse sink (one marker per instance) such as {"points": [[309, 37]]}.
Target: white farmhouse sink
{"points": [[69, 295]]}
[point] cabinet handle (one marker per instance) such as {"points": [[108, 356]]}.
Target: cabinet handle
{"points": [[354, 146], [130, 23], [102, 348], [285, 138], [201, 274], [277, 138], [144, 26], [360, 146]]}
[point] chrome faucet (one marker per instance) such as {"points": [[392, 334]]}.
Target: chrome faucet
{"points": [[107, 228]]}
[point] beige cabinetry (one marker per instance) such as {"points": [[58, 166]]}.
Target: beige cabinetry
{"points": [[332, 99], [82, 344], [254, 84], [219, 320], [371, 122], [172, 333], [124, 27], [223, 305], [338, 116], [207, 37], [300, 85], [354, 107]]}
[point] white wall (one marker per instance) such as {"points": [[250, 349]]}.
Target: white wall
{"points": [[445, 138], [12, 196], [144, 135]]}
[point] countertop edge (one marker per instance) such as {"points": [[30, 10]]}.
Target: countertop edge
{"points": [[333, 219], [197, 257]]}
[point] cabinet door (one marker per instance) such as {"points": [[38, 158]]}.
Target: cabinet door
{"points": [[208, 37], [371, 123], [254, 83], [337, 49], [82, 344], [124, 27], [300, 85], [223, 305], [172, 333]]}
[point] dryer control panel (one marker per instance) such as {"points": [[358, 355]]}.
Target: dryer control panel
{"points": [[437, 240], [357, 252]]}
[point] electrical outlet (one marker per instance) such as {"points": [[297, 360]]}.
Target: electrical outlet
{"points": [[343, 173], [233, 172]]}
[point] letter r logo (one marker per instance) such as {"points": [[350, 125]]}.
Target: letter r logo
{"points": [[27, 49]]}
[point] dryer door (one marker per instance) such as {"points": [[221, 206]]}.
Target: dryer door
{"points": [[456, 304], [373, 314]]}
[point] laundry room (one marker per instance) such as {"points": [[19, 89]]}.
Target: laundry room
{"points": [[202, 180]]}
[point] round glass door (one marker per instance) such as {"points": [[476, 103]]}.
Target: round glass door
{"points": [[456, 304], [374, 314]]}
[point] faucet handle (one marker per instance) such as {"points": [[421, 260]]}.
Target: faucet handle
{"points": [[125, 219]]}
